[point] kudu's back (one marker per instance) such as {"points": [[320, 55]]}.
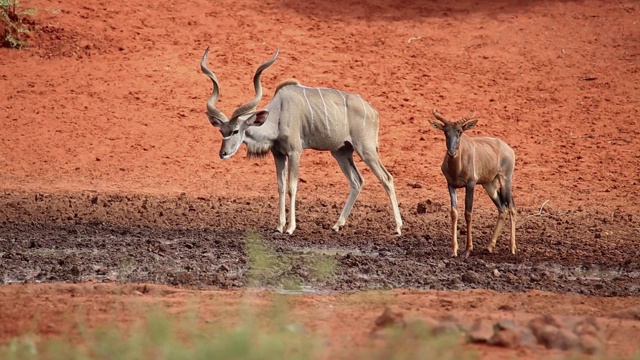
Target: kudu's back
{"points": [[324, 118]]}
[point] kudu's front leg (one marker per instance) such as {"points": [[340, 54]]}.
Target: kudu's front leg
{"points": [[454, 219], [468, 210], [294, 166], [281, 163]]}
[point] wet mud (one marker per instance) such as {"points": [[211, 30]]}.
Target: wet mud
{"points": [[204, 243]]}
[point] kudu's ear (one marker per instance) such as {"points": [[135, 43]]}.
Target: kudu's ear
{"points": [[437, 125], [258, 118], [469, 125], [215, 121]]}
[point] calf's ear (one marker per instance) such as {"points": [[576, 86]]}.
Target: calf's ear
{"points": [[469, 125], [437, 125]]}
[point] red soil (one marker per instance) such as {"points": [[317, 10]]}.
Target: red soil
{"points": [[111, 99]]}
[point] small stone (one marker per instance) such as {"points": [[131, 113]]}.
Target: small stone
{"points": [[537, 324], [587, 326], [509, 338], [481, 331], [553, 337], [470, 277], [546, 335], [566, 340], [527, 339], [505, 324], [590, 344], [496, 273], [632, 313], [421, 208], [506, 307], [389, 318]]}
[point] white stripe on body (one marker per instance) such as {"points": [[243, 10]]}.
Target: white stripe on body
{"points": [[344, 100], [326, 115], [308, 103], [364, 107]]}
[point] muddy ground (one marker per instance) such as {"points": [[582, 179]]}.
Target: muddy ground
{"points": [[171, 241]]}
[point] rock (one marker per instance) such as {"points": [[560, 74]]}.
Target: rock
{"points": [[512, 278], [632, 313], [566, 340], [537, 324], [506, 307], [509, 338], [527, 339], [496, 272], [389, 318], [590, 344], [470, 277], [546, 335], [588, 326], [505, 324], [481, 331], [570, 322], [428, 206]]}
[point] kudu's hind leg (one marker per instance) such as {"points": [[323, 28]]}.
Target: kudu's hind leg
{"points": [[344, 156], [370, 157], [294, 167], [493, 190]]}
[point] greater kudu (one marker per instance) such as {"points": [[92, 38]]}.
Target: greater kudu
{"points": [[479, 160], [300, 117]]}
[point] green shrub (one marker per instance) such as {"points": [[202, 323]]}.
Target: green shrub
{"points": [[15, 23]]}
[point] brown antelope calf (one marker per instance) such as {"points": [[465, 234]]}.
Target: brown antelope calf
{"points": [[479, 160]]}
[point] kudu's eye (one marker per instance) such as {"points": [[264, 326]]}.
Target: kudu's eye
{"points": [[234, 132]]}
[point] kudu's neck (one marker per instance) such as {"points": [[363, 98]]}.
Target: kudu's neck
{"points": [[260, 139]]}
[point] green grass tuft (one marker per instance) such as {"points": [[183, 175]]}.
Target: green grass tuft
{"points": [[14, 23]]}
